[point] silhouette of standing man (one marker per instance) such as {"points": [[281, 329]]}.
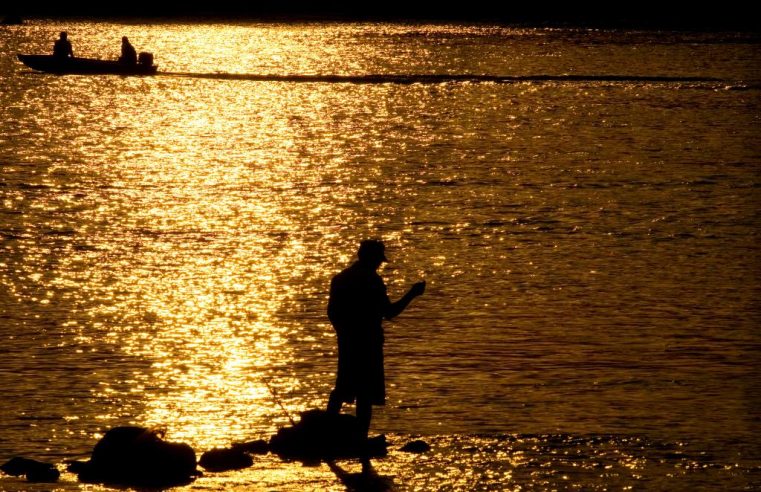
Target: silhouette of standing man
{"points": [[357, 306]]}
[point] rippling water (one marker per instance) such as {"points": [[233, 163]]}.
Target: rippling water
{"points": [[588, 226]]}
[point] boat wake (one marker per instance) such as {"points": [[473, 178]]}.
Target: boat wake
{"points": [[440, 78]]}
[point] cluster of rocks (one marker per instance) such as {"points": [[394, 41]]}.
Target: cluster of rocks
{"points": [[233, 458], [136, 456], [33, 470], [320, 435]]}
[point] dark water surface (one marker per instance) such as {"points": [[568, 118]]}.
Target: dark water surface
{"points": [[583, 204]]}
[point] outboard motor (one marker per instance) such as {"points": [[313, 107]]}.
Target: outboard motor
{"points": [[145, 58]]}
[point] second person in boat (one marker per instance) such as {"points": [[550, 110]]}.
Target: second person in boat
{"points": [[129, 55]]}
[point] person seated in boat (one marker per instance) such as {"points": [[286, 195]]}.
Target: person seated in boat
{"points": [[62, 47], [129, 55]]}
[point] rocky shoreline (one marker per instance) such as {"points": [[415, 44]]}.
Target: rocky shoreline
{"points": [[139, 456]]}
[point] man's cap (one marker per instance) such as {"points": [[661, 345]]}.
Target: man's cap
{"points": [[372, 249]]}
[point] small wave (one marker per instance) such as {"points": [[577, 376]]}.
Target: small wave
{"points": [[61, 232], [442, 183], [742, 87], [33, 186]]}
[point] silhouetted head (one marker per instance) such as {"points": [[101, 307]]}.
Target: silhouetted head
{"points": [[372, 251], [63, 35], [124, 39]]}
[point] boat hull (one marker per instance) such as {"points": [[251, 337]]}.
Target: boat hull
{"points": [[84, 66]]}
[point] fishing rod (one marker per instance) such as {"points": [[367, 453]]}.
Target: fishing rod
{"points": [[277, 400]]}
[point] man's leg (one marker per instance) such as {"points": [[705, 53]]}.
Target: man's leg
{"points": [[334, 403], [364, 415]]}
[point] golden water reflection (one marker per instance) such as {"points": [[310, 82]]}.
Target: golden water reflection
{"points": [[207, 323], [202, 261], [168, 242]]}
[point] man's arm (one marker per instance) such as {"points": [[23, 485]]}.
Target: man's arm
{"points": [[395, 308]]}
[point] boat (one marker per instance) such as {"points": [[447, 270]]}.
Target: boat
{"points": [[89, 66]]}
